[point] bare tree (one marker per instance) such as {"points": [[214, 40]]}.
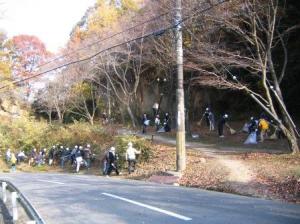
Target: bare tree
{"points": [[244, 38], [54, 98], [122, 70], [84, 100]]}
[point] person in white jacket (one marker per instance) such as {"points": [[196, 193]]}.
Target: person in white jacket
{"points": [[131, 157]]}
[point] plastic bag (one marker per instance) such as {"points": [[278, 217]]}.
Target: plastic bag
{"points": [[162, 129], [251, 139], [245, 128], [147, 122]]}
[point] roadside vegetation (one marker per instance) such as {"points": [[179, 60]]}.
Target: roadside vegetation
{"points": [[26, 133], [274, 176]]}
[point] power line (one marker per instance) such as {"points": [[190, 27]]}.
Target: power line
{"points": [[109, 37], [155, 33], [105, 38]]}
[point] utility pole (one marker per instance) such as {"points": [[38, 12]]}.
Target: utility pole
{"points": [[180, 135], [108, 99]]}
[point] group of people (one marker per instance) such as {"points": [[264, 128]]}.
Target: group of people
{"points": [[210, 121], [259, 128], [110, 162], [159, 126], [77, 156], [256, 128]]}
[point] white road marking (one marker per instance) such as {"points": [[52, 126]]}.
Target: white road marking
{"points": [[150, 207], [50, 181]]}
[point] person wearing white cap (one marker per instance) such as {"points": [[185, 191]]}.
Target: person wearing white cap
{"points": [[78, 158], [87, 154], [131, 157], [221, 124], [73, 154], [112, 161], [51, 154], [206, 115], [8, 155], [145, 123]]}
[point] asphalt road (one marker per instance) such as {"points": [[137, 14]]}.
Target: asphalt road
{"points": [[67, 198]]}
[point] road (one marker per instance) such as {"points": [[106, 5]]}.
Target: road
{"points": [[70, 198]]}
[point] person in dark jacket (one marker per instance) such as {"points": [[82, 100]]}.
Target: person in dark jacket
{"points": [[73, 152], [206, 115], [167, 125], [51, 155], [221, 123], [252, 125], [112, 161], [211, 118], [65, 156], [87, 154]]}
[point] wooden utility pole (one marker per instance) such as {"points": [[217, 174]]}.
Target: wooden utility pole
{"points": [[180, 135], [108, 99]]}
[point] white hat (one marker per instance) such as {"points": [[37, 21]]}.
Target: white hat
{"points": [[112, 148], [88, 145], [225, 115]]}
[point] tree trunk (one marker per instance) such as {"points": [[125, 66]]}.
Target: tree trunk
{"points": [[291, 138], [286, 127], [60, 117], [50, 118], [122, 114], [108, 100], [131, 116], [289, 130], [91, 120]]}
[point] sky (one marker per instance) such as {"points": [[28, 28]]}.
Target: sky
{"points": [[50, 20]]}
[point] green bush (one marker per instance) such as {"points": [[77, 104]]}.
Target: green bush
{"points": [[139, 143], [27, 133]]}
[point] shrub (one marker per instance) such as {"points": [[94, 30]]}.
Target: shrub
{"points": [[139, 143], [27, 133]]}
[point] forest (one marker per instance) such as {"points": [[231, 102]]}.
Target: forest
{"points": [[240, 57]]}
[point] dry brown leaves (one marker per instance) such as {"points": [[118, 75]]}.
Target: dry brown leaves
{"points": [[278, 176], [207, 175]]}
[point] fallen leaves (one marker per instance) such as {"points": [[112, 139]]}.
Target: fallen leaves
{"points": [[272, 179]]}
